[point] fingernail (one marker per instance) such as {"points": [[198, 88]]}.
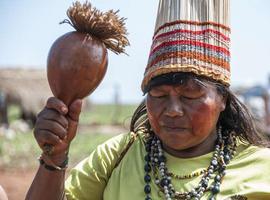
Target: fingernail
{"points": [[64, 110]]}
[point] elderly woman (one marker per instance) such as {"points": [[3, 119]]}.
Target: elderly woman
{"points": [[190, 138]]}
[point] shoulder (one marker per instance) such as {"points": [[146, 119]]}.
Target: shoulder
{"points": [[252, 157], [121, 143], [251, 152], [106, 154], [3, 195], [248, 172], [91, 175], [116, 142]]}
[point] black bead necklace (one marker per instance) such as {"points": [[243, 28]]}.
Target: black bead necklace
{"points": [[155, 162]]}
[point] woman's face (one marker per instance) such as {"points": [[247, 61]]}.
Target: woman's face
{"points": [[184, 116]]}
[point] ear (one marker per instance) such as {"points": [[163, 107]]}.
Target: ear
{"points": [[223, 102]]}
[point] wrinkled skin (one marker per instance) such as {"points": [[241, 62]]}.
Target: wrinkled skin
{"points": [[56, 125], [184, 117]]}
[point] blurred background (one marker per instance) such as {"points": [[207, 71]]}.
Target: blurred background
{"points": [[28, 29]]}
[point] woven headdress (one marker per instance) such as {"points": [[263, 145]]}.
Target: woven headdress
{"points": [[191, 36]]}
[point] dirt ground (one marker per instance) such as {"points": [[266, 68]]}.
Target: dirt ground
{"points": [[16, 183]]}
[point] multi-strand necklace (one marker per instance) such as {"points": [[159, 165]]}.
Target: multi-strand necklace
{"points": [[156, 163]]}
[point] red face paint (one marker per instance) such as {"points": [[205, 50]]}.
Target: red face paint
{"points": [[184, 116]]}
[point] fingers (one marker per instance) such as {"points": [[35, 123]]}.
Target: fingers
{"points": [[55, 116], [56, 104], [53, 127], [75, 110], [56, 124], [46, 137], [73, 118]]}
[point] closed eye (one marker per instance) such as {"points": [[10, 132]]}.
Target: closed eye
{"points": [[158, 95], [189, 98], [192, 97]]}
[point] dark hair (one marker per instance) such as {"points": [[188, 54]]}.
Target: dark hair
{"points": [[236, 118]]}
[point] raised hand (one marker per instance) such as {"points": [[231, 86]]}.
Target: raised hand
{"points": [[56, 127]]}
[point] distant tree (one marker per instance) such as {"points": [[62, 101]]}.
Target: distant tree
{"points": [[3, 109]]}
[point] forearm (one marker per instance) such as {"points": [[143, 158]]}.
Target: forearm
{"points": [[55, 128], [47, 185]]}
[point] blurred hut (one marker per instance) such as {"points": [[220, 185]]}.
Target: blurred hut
{"points": [[26, 88], [257, 99]]}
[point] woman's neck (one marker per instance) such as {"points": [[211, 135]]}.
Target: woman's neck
{"points": [[203, 148]]}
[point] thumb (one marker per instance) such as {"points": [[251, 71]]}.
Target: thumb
{"points": [[73, 116]]}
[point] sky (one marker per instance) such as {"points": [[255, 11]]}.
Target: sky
{"points": [[29, 28]]}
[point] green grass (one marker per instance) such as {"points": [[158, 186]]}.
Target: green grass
{"points": [[13, 113], [108, 114], [96, 114], [22, 151]]}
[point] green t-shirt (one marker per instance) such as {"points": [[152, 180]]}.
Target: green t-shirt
{"points": [[97, 178]]}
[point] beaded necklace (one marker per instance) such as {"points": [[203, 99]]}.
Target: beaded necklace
{"points": [[188, 176], [156, 162]]}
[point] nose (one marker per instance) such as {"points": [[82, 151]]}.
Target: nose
{"points": [[174, 108]]}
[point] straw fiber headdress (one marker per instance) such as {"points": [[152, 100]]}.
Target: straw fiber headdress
{"points": [[191, 36]]}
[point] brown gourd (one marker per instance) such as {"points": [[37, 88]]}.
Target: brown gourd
{"points": [[78, 60]]}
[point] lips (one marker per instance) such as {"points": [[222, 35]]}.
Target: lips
{"points": [[174, 127], [174, 124]]}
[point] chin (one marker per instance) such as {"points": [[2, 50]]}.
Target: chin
{"points": [[177, 143], [177, 146]]}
